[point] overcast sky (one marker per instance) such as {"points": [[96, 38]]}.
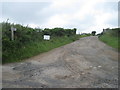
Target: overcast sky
{"points": [[85, 15]]}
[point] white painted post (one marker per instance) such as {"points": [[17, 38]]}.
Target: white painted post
{"points": [[12, 33]]}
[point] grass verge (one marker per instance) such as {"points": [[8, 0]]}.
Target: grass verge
{"points": [[34, 48], [110, 39]]}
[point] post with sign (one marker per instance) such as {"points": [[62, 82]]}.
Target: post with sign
{"points": [[46, 37], [12, 32]]}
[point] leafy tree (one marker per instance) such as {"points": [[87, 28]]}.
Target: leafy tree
{"points": [[93, 33]]}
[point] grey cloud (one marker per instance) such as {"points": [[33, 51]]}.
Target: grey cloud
{"points": [[40, 12], [107, 6], [25, 12]]}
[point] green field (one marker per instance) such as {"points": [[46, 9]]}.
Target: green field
{"points": [[111, 38]]}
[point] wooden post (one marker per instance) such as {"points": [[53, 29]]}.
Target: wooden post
{"points": [[12, 33]]}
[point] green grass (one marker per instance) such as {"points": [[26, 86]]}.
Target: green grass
{"points": [[110, 39], [34, 48]]}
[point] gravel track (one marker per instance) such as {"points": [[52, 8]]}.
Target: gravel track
{"points": [[85, 63]]}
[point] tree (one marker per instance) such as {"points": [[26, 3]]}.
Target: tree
{"points": [[93, 33]]}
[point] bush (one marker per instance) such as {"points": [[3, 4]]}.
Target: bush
{"points": [[29, 42]]}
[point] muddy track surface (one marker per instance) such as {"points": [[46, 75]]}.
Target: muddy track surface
{"points": [[85, 63]]}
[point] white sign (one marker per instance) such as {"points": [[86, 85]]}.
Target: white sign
{"points": [[46, 37], [13, 29]]}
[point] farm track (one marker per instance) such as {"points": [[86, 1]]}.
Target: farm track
{"points": [[85, 63]]}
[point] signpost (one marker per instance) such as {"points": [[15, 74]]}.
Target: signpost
{"points": [[46, 37], [12, 32]]}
